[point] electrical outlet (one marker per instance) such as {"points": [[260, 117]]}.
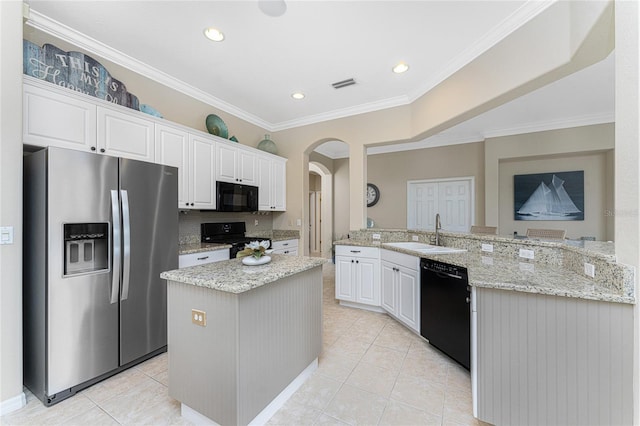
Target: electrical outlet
{"points": [[299, 222], [255, 222], [527, 254], [589, 270], [414, 238], [6, 235], [375, 236], [199, 317], [487, 247]]}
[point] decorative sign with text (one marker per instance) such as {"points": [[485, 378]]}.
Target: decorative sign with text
{"points": [[75, 71]]}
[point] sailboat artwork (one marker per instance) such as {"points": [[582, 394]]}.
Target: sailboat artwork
{"points": [[548, 198]]}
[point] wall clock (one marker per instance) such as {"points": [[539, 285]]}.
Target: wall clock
{"points": [[373, 194]]}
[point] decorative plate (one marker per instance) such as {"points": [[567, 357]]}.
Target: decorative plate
{"points": [[233, 139], [250, 260], [216, 126], [150, 110]]}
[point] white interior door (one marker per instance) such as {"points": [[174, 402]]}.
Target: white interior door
{"points": [[452, 198], [312, 222]]}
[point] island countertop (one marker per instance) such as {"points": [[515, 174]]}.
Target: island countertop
{"points": [[232, 276]]}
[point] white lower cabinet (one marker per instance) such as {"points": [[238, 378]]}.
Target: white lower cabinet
{"points": [[289, 247], [358, 275], [185, 260], [400, 282]]}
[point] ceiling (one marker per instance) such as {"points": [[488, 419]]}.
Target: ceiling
{"points": [[264, 59]]}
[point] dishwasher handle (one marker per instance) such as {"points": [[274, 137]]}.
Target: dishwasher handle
{"points": [[443, 274]]}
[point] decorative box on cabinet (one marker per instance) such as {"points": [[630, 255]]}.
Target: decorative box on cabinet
{"points": [[400, 282], [289, 247], [272, 181], [235, 164], [358, 276]]}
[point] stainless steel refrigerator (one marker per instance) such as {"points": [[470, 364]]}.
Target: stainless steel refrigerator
{"points": [[98, 231]]}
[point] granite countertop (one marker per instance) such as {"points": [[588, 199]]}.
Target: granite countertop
{"points": [[232, 276], [201, 247], [504, 273]]}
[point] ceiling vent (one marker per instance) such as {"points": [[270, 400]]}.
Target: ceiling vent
{"points": [[343, 83]]}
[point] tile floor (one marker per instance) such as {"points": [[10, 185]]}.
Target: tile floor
{"points": [[372, 371]]}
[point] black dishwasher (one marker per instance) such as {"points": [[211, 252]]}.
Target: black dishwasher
{"points": [[445, 309]]}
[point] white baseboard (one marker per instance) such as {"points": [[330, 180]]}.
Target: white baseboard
{"points": [[268, 412], [12, 404]]}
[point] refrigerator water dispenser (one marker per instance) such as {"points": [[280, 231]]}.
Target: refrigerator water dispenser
{"points": [[86, 248]]}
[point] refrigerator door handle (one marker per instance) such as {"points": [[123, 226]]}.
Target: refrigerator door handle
{"points": [[115, 280], [126, 251]]}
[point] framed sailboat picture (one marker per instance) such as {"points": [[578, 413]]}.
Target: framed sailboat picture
{"points": [[549, 196]]}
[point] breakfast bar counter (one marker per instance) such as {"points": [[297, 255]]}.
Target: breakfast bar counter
{"points": [[241, 338]]}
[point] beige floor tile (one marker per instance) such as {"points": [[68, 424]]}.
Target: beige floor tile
{"points": [[355, 406], [324, 420], [426, 368], [371, 378], [114, 386], [294, 414], [419, 393], [334, 365], [162, 378], [316, 392], [155, 365], [351, 347], [399, 414], [126, 407], [157, 414], [459, 378], [391, 339], [94, 417], [384, 357], [35, 413]]}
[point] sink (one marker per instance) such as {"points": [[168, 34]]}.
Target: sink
{"points": [[424, 248]]}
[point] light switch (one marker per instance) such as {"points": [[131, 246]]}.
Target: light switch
{"points": [[6, 235]]}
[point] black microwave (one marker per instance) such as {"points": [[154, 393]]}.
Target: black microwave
{"points": [[233, 197]]}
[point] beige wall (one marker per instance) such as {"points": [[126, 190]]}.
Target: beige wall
{"points": [[11, 204], [390, 173], [598, 183], [567, 143]]}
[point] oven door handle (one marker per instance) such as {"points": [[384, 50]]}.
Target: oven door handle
{"points": [[443, 274]]}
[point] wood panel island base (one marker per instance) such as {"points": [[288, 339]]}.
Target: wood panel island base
{"points": [[238, 336]]}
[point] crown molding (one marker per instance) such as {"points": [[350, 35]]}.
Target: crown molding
{"points": [[517, 19], [543, 126], [431, 142], [56, 29]]}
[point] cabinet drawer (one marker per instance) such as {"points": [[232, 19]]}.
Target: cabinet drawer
{"points": [[406, 260], [357, 251], [192, 259], [284, 245]]}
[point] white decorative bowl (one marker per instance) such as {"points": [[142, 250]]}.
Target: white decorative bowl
{"points": [[250, 260]]}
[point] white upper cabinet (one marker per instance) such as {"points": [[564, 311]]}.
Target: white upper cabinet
{"points": [[125, 135], [172, 149], [52, 119], [202, 174], [235, 164], [272, 181], [194, 157]]}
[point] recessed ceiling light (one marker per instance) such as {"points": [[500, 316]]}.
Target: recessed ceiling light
{"points": [[213, 34], [400, 68], [297, 95]]}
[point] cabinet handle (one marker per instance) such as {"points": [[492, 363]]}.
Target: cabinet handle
{"points": [[101, 149], [468, 299], [285, 244], [192, 204], [355, 251], [352, 260], [286, 252], [203, 258], [93, 148], [186, 204], [357, 261]]}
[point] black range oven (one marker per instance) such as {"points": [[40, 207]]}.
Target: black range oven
{"points": [[227, 233]]}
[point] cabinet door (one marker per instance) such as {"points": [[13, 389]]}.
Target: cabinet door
{"points": [[345, 280], [388, 287], [52, 119], [124, 135], [409, 297], [247, 167], [202, 175], [368, 281], [279, 185], [172, 149], [226, 163], [264, 184]]}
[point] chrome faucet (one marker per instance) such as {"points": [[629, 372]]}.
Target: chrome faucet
{"points": [[438, 228]]}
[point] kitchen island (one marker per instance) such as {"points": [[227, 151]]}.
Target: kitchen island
{"points": [[242, 338]]}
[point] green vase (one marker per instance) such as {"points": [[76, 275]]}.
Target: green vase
{"points": [[268, 145]]}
